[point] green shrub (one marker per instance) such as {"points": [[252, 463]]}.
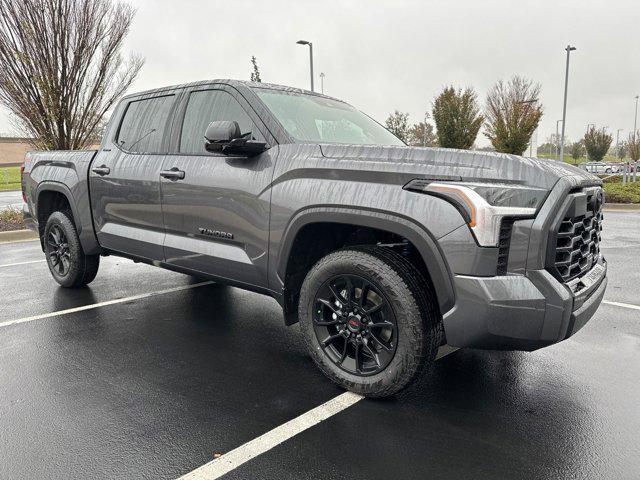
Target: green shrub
{"points": [[611, 178], [619, 193]]}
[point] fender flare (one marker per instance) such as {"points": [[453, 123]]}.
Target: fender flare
{"points": [[83, 224], [418, 235], [52, 186]]}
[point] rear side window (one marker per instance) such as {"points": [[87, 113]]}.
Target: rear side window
{"points": [[205, 107], [143, 124]]}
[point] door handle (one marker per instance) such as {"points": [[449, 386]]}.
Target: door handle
{"points": [[101, 170], [173, 174]]}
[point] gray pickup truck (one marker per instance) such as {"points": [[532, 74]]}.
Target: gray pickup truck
{"points": [[384, 253]]}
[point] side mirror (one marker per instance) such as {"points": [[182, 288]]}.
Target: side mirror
{"points": [[220, 133], [225, 136]]}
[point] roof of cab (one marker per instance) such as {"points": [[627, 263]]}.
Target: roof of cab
{"points": [[233, 83]]}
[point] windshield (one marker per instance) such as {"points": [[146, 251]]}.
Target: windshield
{"points": [[311, 118]]}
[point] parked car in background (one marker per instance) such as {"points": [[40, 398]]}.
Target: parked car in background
{"points": [[603, 167]]}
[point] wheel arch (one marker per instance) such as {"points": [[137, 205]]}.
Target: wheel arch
{"points": [[418, 236], [85, 231], [48, 187]]}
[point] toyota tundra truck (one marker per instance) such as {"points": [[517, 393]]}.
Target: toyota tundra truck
{"points": [[382, 252]]}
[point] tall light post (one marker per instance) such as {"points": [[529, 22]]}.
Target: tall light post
{"points": [[321, 82], [569, 49], [558, 134], [424, 131], [618, 142], [527, 104], [635, 120], [304, 42]]}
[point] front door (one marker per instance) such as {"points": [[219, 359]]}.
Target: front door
{"points": [[125, 180], [215, 207]]}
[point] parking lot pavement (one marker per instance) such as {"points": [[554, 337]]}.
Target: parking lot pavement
{"points": [[621, 248], [157, 386]]}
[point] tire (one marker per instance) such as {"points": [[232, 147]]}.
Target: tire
{"points": [[401, 295], [608, 170], [67, 262]]}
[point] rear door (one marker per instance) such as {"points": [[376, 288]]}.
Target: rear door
{"points": [[125, 178], [216, 208]]}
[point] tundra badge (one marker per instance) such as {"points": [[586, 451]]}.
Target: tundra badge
{"points": [[215, 233]]}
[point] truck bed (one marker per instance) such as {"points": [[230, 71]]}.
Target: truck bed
{"points": [[63, 173]]}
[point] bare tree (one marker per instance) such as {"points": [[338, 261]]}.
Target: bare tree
{"points": [[398, 124], [457, 118], [255, 74], [597, 143], [633, 145], [513, 113], [61, 68]]}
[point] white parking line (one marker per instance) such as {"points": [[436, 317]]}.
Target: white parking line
{"points": [[22, 263], [259, 445], [623, 305], [233, 459], [101, 304]]}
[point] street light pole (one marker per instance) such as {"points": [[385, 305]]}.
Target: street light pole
{"points": [[635, 120], [618, 142], [569, 49], [304, 42], [527, 104], [558, 135], [424, 131], [534, 135]]}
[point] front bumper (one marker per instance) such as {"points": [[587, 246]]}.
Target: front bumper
{"points": [[522, 312]]}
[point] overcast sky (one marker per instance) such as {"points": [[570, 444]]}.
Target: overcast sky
{"points": [[387, 55]]}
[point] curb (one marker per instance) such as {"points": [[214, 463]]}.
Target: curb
{"points": [[18, 236], [621, 207]]}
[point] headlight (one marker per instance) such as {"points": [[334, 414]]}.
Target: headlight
{"points": [[484, 205]]}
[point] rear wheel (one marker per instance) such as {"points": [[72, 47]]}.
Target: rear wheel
{"points": [[67, 262], [369, 319]]}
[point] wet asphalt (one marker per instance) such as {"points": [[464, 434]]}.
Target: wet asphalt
{"points": [[155, 387]]}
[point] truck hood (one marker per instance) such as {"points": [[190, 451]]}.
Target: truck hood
{"points": [[460, 165]]}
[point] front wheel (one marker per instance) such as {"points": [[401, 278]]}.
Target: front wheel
{"points": [[369, 319], [67, 262]]}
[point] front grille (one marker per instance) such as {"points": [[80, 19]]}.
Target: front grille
{"points": [[578, 235]]}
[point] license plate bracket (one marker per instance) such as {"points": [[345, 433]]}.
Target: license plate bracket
{"points": [[592, 276]]}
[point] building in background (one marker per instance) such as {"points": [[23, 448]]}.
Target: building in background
{"points": [[13, 149]]}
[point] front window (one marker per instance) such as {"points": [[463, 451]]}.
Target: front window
{"points": [[206, 106], [311, 118]]}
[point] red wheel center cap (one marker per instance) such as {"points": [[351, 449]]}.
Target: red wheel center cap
{"points": [[354, 324]]}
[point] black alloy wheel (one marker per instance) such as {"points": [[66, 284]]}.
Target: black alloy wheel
{"points": [[369, 319], [355, 325], [67, 262], [58, 250]]}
